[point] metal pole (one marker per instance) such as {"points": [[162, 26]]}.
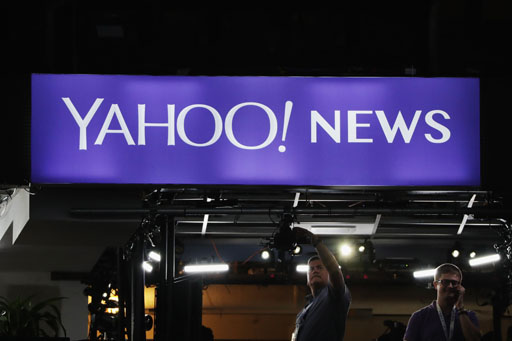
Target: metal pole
{"points": [[138, 331], [496, 320], [164, 307], [488, 212], [121, 287]]}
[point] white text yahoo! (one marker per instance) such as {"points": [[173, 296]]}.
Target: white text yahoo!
{"points": [[353, 124]]}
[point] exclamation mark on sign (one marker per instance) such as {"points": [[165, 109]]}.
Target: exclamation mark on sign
{"points": [[287, 113]]}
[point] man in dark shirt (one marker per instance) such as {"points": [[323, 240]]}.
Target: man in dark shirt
{"points": [[324, 316], [445, 318]]}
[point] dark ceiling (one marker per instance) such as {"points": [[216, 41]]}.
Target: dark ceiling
{"points": [[399, 38]]}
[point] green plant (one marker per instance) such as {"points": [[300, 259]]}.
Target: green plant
{"points": [[20, 317]]}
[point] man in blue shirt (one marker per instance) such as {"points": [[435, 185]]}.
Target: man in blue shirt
{"points": [[324, 316], [445, 318]]}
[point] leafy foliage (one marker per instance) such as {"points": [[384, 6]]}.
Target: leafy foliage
{"points": [[21, 317]]}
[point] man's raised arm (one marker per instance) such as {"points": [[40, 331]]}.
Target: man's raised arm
{"points": [[328, 259]]}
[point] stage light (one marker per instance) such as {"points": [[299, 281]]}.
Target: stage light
{"points": [[200, 268], [472, 254], [148, 322], [302, 268], [113, 304], [424, 273], [297, 250], [147, 266], [361, 248], [265, 254], [455, 253], [484, 260], [346, 250], [154, 256]]}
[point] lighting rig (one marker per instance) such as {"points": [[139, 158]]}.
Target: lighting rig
{"points": [[111, 283], [103, 291], [504, 250], [284, 240]]}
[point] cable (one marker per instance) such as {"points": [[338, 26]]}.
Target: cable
{"points": [[217, 251], [251, 256]]}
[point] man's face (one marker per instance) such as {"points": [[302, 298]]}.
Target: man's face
{"points": [[318, 276], [447, 287]]}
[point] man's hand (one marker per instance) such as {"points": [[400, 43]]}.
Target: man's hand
{"points": [[305, 236], [470, 331], [460, 301], [328, 259]]}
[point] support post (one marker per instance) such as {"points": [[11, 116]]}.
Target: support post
{"points": [[164, 318], [137, 330]]}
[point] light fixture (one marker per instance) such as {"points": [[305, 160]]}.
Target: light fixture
{"points": [[113, 303], [346, 250], [265, 254], [333, 231], [200, 268], [455, 253], [154, 256], [466, 216], [361, 248], [424, 273], [297, 250], [296, 200], [484, 260], [302, 268], [205, 224], [472, 254], [147, 266]]}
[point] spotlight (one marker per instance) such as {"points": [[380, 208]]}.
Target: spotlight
{"points": [[424, 273], [112, 305], [456, 250], [148, 322], [154, 256], [147, 266], [284, 238], [484, 260], [361, 248], [346, 250], [297, 250], [265, 254], [472, 254]]}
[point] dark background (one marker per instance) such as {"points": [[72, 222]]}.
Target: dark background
{"points": [[398, 38]]}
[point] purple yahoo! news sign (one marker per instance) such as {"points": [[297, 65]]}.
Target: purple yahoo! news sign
{"points": [[300, 131]]}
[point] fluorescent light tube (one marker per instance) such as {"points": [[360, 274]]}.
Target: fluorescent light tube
{"points": [[206, 268], [302, 268], [484, 260], [424, 273]]}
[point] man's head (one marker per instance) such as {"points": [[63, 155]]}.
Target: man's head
{"points": [[318, 276], [447, 280]]}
